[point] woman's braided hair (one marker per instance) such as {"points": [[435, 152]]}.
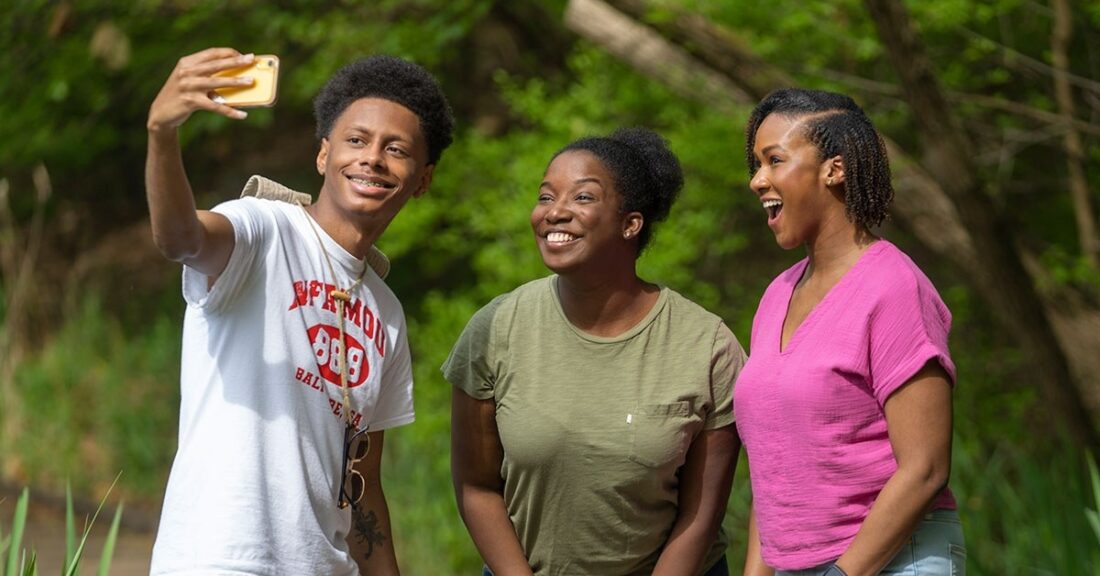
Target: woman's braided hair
{"points": [[647, 173], [836, 126]]}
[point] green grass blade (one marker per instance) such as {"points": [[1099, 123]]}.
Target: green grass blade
{"points": [[1094, 521], [70, 526], [19, 521], [72, 568], [109, 544], [1094, 475], [1094, 518], [3, 548], [31, 568]]}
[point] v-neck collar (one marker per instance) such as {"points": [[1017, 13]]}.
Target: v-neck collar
{"points": [[825, 302]]}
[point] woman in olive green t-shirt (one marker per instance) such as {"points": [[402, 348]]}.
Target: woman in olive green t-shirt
{"points": [[592, 423]]}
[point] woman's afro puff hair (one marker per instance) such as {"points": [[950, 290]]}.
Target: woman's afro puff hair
{"points": [[647, 174]]}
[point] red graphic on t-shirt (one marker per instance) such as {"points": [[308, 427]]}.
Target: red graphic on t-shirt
{"points": [[326, 350], [318, 294]]}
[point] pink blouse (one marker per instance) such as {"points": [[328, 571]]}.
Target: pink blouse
{"points": [[811, 416]]}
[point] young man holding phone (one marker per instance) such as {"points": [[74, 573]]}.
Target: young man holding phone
{"points": [[295, 356]]}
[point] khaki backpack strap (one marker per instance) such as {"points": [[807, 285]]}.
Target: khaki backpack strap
{"points": [[266, 189]]}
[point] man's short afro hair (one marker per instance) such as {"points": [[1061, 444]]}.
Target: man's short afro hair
{"points": [[393, 79]]}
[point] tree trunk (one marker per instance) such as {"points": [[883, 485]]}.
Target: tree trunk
{"points": [[1075, 150], [651, 54], [1000, 275], [19, 251], [949, 213]]}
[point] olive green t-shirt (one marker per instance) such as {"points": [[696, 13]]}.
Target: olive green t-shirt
{"points": [[595, 429]]}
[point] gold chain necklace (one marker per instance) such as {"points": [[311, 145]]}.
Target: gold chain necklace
{"points": [[341, 297]]}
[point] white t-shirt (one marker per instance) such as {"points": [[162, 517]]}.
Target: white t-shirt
{"points": [[255, 482]]}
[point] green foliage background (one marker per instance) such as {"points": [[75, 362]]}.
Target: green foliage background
{"points": [[98, 391]]}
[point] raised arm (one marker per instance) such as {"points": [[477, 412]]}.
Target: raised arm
{"points": [[476, 457], [918, 419], [705, 482], [200, 239]]}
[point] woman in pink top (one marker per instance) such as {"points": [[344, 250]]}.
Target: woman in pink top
{"points": [[844, 406]]}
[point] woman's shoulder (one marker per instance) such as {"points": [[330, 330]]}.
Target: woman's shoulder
{"points": [[694, 316], [537, 288], [898, 283], [687, 308], [690, 321], [512, 302], [892, 268]]}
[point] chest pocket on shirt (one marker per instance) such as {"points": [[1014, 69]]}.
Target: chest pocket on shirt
{"points": [[658, 433]]}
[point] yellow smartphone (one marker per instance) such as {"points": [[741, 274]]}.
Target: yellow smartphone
{"points": [[264, 71]]}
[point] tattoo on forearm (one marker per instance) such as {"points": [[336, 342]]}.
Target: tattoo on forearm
{"points": [[367, 530]]}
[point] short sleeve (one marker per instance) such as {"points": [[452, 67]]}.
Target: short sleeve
{"points": [[908, 328], [394, 406], [727, 358], [470, 367], [252, 229]]}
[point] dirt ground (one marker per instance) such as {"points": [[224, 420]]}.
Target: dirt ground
{"points": [[45, 533]]}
